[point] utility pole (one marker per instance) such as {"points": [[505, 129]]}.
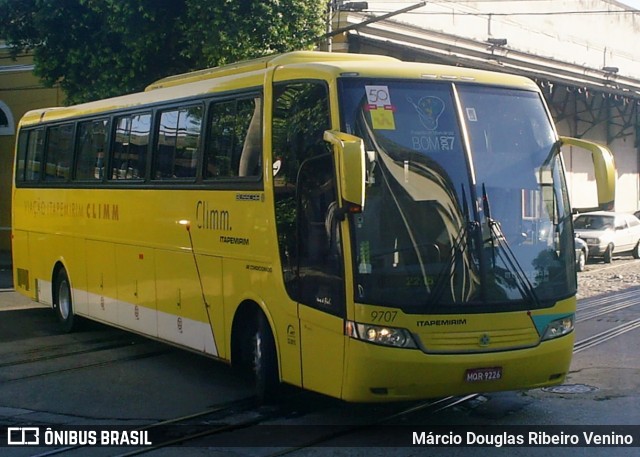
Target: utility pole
{"points": [[336, 6]]}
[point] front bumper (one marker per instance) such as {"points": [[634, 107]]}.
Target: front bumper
{"points": [[381, 374], [596, 250]]}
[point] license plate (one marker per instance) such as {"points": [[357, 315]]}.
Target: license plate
{"points": [[483, 374]]}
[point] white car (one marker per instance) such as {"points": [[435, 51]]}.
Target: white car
{"points": [[607, 233]]}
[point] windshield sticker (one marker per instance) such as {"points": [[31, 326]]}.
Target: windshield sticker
{"points": [[433, 143], [364, 268], [435, 135], [471, 115], [429, 109], [378, 95], [380, 108]]}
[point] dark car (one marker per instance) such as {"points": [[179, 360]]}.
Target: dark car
{"points": [[582, 253]]}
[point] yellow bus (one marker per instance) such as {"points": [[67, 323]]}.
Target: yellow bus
{"points": [[354, 225]]}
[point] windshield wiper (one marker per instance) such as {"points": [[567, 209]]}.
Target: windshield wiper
{"points": [[458, 248], [497, 237], [555, 150]]}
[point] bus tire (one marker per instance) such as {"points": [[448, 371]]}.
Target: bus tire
{"points": [[62, 303], [265, 362]]}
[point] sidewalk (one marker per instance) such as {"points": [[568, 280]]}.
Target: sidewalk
{"points": [[9, 298]]}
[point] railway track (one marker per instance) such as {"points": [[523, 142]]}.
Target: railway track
{"points": [[598, 306], [66, 357], [603, 337], [65, 349], [429, 407], [221, 423], [601, 306], [197, 420], [265, 420]]}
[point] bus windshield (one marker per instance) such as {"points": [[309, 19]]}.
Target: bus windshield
{"points": [[466, 204]]}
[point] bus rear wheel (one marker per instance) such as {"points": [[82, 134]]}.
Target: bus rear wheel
{"points": [[265, 362], [62, 303]]}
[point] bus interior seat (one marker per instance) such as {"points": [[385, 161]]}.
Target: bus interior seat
{"points": [[252, 147]]}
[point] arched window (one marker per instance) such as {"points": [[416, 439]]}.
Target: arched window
{"points": [[6, 120]]}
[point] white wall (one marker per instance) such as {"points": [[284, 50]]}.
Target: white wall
{"points": [[592, 33], [587, 33]]}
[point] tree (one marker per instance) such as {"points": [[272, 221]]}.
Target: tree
{"points": [[226, 31], [101, 48]]}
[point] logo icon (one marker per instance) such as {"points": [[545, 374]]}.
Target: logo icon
{"points": [[484, 340], [429, 109], [23, 436]]}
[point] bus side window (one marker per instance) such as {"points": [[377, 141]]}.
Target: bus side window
{"points": [[130, 147], [234, 147], [92, 139], [21, 155], [31, 150], [59, 152], [178, 139]]}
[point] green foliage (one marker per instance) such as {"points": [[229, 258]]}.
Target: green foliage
{"points": [[224, 31], [101, 48]]}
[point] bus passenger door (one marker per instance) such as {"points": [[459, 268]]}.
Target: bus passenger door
{"points": [[308, 236], [320, 278]]}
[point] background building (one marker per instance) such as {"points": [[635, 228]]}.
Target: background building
{"points": [[582, 54], [20, 91]]}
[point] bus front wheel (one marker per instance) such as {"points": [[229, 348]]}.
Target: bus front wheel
{"points": [[265, 362], [62, 303]]}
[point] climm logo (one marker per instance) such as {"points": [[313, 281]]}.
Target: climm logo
{"points": [[103, 211], [212, 219]]}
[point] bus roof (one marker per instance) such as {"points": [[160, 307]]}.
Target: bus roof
{"points": [[266, 62], [300, 63]]}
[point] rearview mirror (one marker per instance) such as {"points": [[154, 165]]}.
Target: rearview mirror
{"points": [[604, 168], [350, 158]]}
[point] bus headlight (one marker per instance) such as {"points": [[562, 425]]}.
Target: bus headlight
{"points": [[377, 334], [558, 328]]}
